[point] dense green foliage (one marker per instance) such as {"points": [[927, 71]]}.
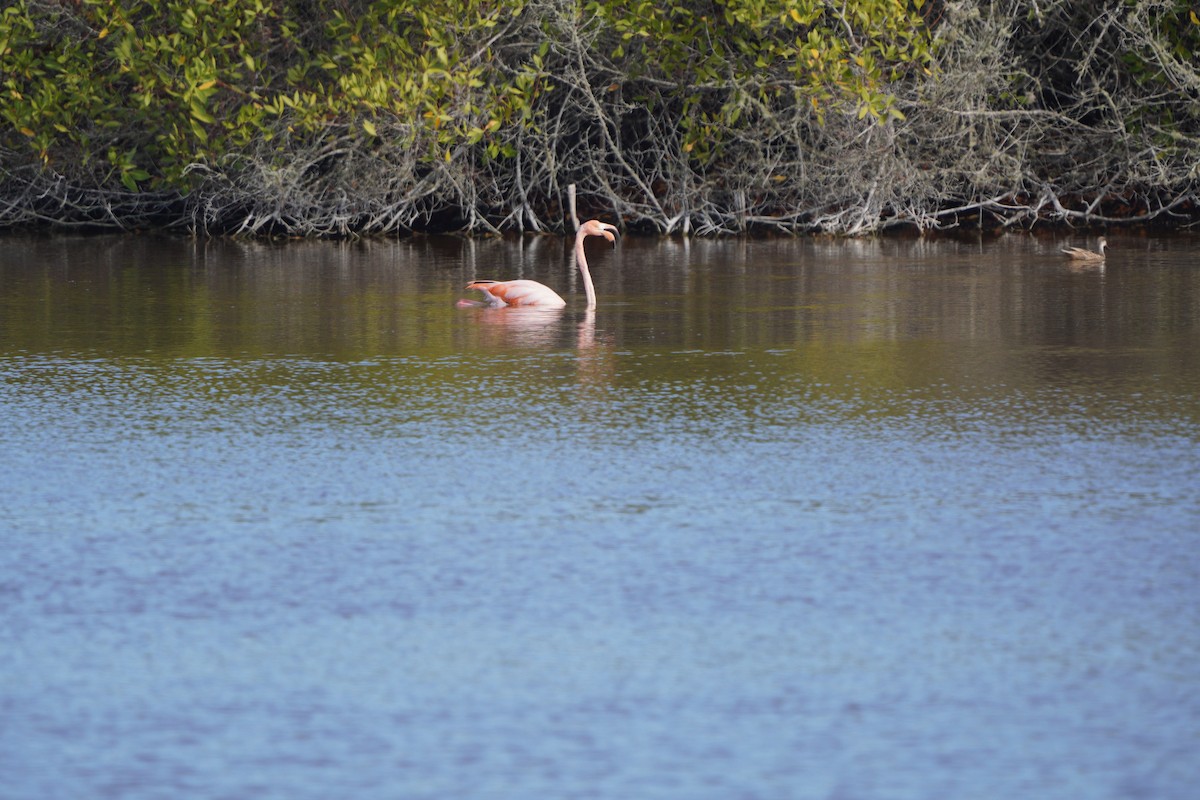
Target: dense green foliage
{"points": [[155, 87], [338, 116]]}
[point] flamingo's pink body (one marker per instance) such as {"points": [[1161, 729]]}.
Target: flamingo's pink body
{"points": [[532, 293], [518, 293]]}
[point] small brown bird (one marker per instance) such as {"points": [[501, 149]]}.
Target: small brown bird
{"points": [[1080, 254]]}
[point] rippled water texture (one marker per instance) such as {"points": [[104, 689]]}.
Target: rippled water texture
{"points": [[780, 519]]}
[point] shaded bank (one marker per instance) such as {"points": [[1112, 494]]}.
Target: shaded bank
{"points": [[338, 118]]}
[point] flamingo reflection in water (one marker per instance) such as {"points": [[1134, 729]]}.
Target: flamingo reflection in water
{"points": [[524, 293]]}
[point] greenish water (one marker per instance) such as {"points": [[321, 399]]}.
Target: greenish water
{"points": [[889, 519]]}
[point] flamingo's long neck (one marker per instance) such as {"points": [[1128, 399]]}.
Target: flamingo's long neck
{"points": [[581, 260]]}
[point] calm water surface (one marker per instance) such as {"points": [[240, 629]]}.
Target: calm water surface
{"points": [[780, 519]]}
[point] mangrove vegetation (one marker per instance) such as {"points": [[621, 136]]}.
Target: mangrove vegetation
{"points": [[348, 117]]}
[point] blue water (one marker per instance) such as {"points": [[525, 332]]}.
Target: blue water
{"points": [[819, 545]]}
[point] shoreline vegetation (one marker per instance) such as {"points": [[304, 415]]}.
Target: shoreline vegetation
{"points": [[335, 118]]}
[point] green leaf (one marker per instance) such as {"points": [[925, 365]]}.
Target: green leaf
{"points": [[199, 132], [199, 112]]}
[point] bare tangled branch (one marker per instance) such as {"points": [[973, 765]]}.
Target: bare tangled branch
{"points": [[1032, 112]]}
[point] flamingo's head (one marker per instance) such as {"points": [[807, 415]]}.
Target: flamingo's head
{"points": [[594, 227]]}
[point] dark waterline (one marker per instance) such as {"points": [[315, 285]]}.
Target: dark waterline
{"points": [[884, 518]]}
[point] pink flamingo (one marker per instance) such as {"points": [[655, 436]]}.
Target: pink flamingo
{"points": [[532, 293]]}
